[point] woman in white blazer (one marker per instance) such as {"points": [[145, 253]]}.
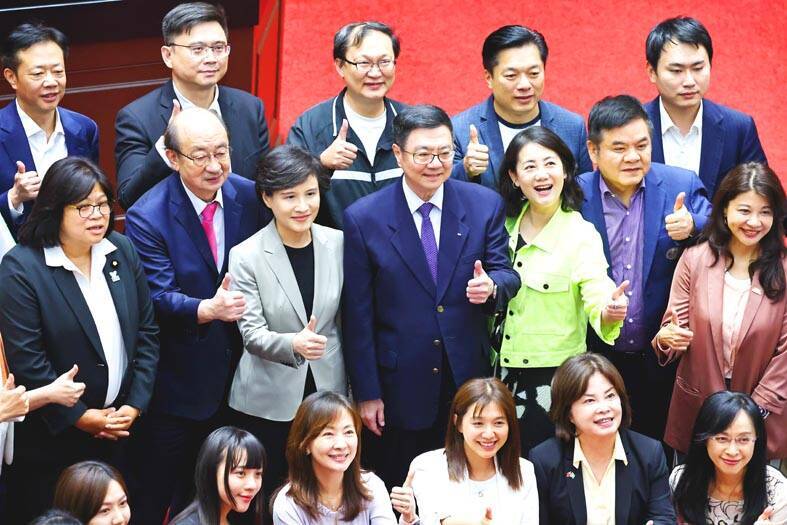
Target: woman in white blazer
{"points": [[290, 274], [478, 478]]}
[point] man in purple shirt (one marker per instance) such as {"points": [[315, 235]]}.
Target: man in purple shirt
{"points": [[644, 212]]}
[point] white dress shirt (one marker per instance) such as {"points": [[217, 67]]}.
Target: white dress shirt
{"points": [[218, 220], [599, 495], [679, 150], [435, 215], [99, 301], [185, 104], [45, 152]]}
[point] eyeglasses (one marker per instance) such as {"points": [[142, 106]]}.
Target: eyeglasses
{"points": [[425, 157], [385, 65], [741, 441], [86, 210], [201, 50], [201, 160]]}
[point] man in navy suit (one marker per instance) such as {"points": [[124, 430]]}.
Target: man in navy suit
{"points": [[34, 131], [196, 50], [690, 131], [515, 59], [183, 231], [425, 261], [644, 212]]}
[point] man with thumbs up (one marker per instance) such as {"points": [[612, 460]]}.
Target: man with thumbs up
{"points": [[183, 230], [352, 132], [644, 212]]}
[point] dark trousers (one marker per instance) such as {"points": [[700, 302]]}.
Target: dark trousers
{"points": [[165, 455]]}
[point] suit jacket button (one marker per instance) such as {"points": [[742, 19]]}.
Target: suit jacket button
{"points": [[437, 343], [440, 309], [435, 371]]}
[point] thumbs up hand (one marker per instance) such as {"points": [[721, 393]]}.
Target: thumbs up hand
{"points": [[308, 342], [765, 517], [487, 520], [616, 309], [341, 153], [26, 185], [476, 159], [64, 390], [481, 286], [14, 401], [403, 499], [227, 305], [673, 336], [679, 223]]}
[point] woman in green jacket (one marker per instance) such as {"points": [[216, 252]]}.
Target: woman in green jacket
{"points": [[560, 259]]}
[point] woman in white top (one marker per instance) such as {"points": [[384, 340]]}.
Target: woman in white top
{"points": [[478, 478], [326, 485]]}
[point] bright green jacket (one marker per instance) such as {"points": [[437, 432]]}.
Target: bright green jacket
{"points": [[564, 286]]}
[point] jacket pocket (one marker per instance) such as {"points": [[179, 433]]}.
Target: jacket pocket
{"points": [[686, 387], [387, 359], [545, 282]]}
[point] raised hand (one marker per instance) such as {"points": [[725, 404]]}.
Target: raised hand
{"points": [[616, 309], [403, 499], [341, 153], [308, 342], [487, 517], [679, 223], [175, 110], [226, 305], [476, 159], [674, 336], [26, 185], [481, 286], [765, 517], [14, 400]]}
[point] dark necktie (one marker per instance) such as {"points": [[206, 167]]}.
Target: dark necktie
{"points": [[428, 239]]}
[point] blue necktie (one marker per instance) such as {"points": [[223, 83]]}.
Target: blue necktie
{"points": [[428, 240]]}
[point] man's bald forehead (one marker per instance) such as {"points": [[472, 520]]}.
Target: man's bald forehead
{"points": [[192, 119]]}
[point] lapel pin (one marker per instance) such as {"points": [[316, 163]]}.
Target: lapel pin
{"points": [[114, 264], [570, 475], [673, 253], [114, 276], [459, 234]]}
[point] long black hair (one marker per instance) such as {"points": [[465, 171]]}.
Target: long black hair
{"points": [[759, 178], [229, 445], [715, 416]]}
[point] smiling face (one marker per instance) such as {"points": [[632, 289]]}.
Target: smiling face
{"points": [[597, 413], [79, 234], [749, 217], [375, 83], [682, 75], [196, 73], [539, 175], [517, 82], [484, 432], [425, 179], [40, 79], [295, 208], [623, 155], [731, 450], [201, 134], [244, 483], [114, 509], [334, 448]]}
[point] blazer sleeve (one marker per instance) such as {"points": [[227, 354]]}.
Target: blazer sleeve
{"points": [[263, 137], [679, 299], [771, 391], [583, 158], [751, 149], [139, 165], [595, 286], [659, 505], [93, 141], [496, 262], [21, 323], [258, 338], [458, 171], [699, 205]]}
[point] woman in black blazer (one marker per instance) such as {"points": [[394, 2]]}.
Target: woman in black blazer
{"points": [[74, 292], [594, 472]]}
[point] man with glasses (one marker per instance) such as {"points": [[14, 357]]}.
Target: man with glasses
{"points": [[184, 230], [352, 132], [196, 50], [425, 262]]}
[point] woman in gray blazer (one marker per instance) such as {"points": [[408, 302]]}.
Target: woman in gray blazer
{"points": [[290, 273]]}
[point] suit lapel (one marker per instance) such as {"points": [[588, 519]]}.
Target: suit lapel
{"points": [[653, 216], [279, 262], [227, 106], [453, 236], [712, 146], [232, 218], [407, 243], [657, 151], [490, 135], [67, 283], [575, 486], [623, 485], [15, 142], [752, 306], [324, 260], [165, 101], [715, 285], [113, 269], [75, 145], [594, 212], [183, 211]]}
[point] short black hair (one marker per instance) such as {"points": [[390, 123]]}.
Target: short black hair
{"points": [[182, 18], [421, 116], [614, 112], [67, 181], [56, 517], [287, 166], [27, 35], [353, 34], [512, 196], [508, 37], [682, 29]]}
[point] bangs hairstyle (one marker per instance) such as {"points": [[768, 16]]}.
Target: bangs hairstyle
{"points": [[182, 18], [679, 30], [25, 36], [615, 112], [571, 195], [508, 37], [68, 181], [759, 178], [420, 116], [236, 448], [287, 166], [353, 34], [82, 487], [315, 413], [570, 383], [715, 416], [479, 394]]}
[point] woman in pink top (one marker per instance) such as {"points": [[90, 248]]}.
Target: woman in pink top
{"points": [[727, 315]]}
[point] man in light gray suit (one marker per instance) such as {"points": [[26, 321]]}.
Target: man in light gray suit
{"points": [[291, 276]]}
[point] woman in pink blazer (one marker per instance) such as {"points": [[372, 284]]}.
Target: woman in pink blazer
{"points": [[727, 315]]}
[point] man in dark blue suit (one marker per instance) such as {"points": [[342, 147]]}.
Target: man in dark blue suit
{"points": [[644, 212], [34, 131], [690, 131], [515, 59], [183, 231], [425, 261]]}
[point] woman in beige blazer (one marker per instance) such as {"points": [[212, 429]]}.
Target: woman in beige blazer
{"points": [[727, 314], [290, 274]]}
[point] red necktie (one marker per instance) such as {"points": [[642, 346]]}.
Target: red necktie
{"points": [[206, 217]]}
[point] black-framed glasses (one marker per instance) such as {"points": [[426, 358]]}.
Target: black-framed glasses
{"points": [[426, 157], [384, 65], [86, 210], [201, 50], [201, 160]]}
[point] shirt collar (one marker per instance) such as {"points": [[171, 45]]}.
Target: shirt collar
{"points": [[30, 126], [549, 236], [619, 453], [55, 256], [199, 204], [667, 123], [186, 103], [414, 201]]}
